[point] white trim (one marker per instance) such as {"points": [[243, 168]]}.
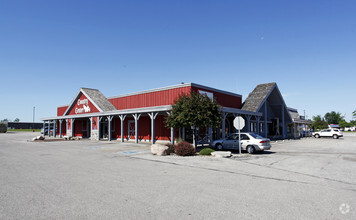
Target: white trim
{"points": [[76, 97], [163, 108]]}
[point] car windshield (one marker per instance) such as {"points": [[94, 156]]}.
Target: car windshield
{"points": [[256, 136]]}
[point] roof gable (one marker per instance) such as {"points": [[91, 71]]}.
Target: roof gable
{"points": [[89, 101], [258, 96]]}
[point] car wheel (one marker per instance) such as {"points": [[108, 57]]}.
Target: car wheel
{"points": [[317, 136], [335, 136], [218, 147], [251, 150]]}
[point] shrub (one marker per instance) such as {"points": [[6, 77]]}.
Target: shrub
{"points": [[3, 128], [170, 148], [206, 151], [184, 149]]}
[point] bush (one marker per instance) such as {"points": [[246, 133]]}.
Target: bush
{"points": [[206, 151], [3, 128], [170, 148], [184, 149]]}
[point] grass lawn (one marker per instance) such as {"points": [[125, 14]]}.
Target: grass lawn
{"points": [[27, 130]]}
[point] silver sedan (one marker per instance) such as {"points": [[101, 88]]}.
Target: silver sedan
{"points": [[250, 142]]}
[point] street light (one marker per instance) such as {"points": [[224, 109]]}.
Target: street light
{"points": [[33, 124]]}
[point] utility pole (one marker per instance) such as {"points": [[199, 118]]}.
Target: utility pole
{"points": [[33, 123]]}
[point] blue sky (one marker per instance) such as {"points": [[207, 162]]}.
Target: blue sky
{"points": [[49, 49]]}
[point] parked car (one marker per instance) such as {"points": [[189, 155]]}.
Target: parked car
{"points": [[250, 142], [330, 132]]}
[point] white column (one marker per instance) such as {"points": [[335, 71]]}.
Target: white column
{"points": [[109, 126], [72, 126], [122, 119], [54, 128], [99, 127], [60, 128], [153, 116], [136, 117], [172, 135]]}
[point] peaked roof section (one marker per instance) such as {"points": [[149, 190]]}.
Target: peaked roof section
{"points": [[257, 97], [96, 97]]}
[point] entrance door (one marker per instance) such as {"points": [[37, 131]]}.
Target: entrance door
{"points": [[131, 129], [104, 129]]}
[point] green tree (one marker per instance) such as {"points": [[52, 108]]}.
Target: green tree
{"points": [[16, 120], [5, 120], [354, 114], [353, 122], [344, 124], [333, 117], [194, 110], [319, 123]]}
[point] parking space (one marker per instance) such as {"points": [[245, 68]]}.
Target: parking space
{"points": [[298, 179]]}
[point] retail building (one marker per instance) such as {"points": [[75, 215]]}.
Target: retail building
{"points": [[140, 116]]}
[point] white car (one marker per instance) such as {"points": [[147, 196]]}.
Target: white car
{"points": [[330, 132], [250, 142]]}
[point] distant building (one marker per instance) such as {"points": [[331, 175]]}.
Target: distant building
{"points": [[24, 125], [300, 127]]}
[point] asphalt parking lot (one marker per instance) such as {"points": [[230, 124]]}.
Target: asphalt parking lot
{"points": [[297, 179]]}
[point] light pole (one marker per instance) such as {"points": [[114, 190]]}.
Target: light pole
{"points": [[33, 124]]}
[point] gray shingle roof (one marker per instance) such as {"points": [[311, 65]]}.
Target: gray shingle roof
{"points": [[257, 96], [99, 99]]}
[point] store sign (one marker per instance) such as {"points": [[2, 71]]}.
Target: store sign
{"points": [[82, 106]]}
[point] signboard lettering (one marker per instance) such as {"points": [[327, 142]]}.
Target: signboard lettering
{"points": [[85, 108]]}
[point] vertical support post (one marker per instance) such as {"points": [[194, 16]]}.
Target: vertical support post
{"points": [[99, 127], [60, 128], [67, 128], [224, 115], [265, 130], [172, 135], [54, 128], [109, 126], [283, 123], [153, 116], [122, 119], [49, 128], [194, 136], [91, 128], [136, 117], [248, 117], [72, 126], [258, 125]]}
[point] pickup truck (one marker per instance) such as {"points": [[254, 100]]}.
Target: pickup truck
{"points": [[330, 132]]}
